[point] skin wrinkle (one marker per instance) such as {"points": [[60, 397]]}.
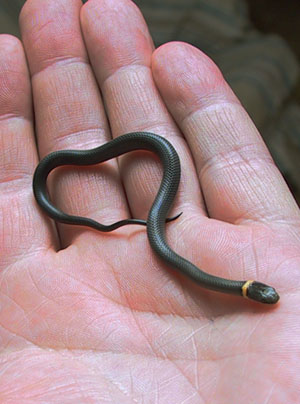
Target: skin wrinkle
{"points": [[32, 341], [36, 38], [131, 383], [160, 346], [36, 308], [15, 302], [259, 241], [44, 320], [42, 304], [255, 327], [19, 336], [62, 389], [8, 242], [13, 114], [270, 394], [87, 326], [177, 367], [231, 326], [232, 158], [68, 126], [68, 138], [133, 312], [190, 336], [25, 256], [107, 210], [134, 68], [243, 369], [219, 244], [83, 351], [128, 161], [16, 182], [272, 388], [186, 299], [135, 319], [182, 292], [120, 388], [196, 393], [191, 118], [250, 193], [213, 154], [255, 193], [161, 353], [165, 382], [206, 164], [147, 110], [239, 154], [196, 371], [131, 377], [61, 61], [9, 143], [225, 334], [254, 256], [6, 346], [10, 116], [26, 316]]}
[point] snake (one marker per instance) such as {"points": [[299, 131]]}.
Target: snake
{"points": [[157, 216]]}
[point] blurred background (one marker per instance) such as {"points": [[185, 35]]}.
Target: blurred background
{"points": [[256, 44]]}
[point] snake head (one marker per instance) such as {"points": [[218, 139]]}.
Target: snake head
{"points": [[262, 293]]}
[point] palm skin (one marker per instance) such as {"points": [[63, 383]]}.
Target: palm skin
{"points": [[88, 317]]}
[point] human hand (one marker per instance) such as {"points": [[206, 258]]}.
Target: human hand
{"points": [[91, 317]]}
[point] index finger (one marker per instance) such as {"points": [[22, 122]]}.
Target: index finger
{"points": [[238, 177]]}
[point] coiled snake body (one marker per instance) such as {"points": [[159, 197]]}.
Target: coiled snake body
{"points": [[158, 213]]}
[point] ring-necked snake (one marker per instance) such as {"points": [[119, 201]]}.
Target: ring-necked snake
{"points": [[158, 213]]}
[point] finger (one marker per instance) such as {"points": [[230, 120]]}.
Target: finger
{"points": [[238, 177], [69, 110], [22, 229], [121, 55]]}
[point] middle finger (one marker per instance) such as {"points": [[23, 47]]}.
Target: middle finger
{"points": [[120, 49]]}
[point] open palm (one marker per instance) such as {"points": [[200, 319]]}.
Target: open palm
{"points": [[87, 317]]}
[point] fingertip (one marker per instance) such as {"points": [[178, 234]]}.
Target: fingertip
{"points": [[188, 79], [51, 32], [182, 57], [10, 45], [98, 9], [116, 36]]}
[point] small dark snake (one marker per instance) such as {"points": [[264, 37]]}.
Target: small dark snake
{"points": [[158, 213]]}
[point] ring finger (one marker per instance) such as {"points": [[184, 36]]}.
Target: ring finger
{"points": [[69, 111]]}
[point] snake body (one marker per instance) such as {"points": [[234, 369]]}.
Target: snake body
{"points": [[157, 215]]}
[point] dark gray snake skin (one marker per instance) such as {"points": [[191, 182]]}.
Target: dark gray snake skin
{"points": [[158, 213]]}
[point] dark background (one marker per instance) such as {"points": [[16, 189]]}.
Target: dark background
{"points": [[282, 17]]}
